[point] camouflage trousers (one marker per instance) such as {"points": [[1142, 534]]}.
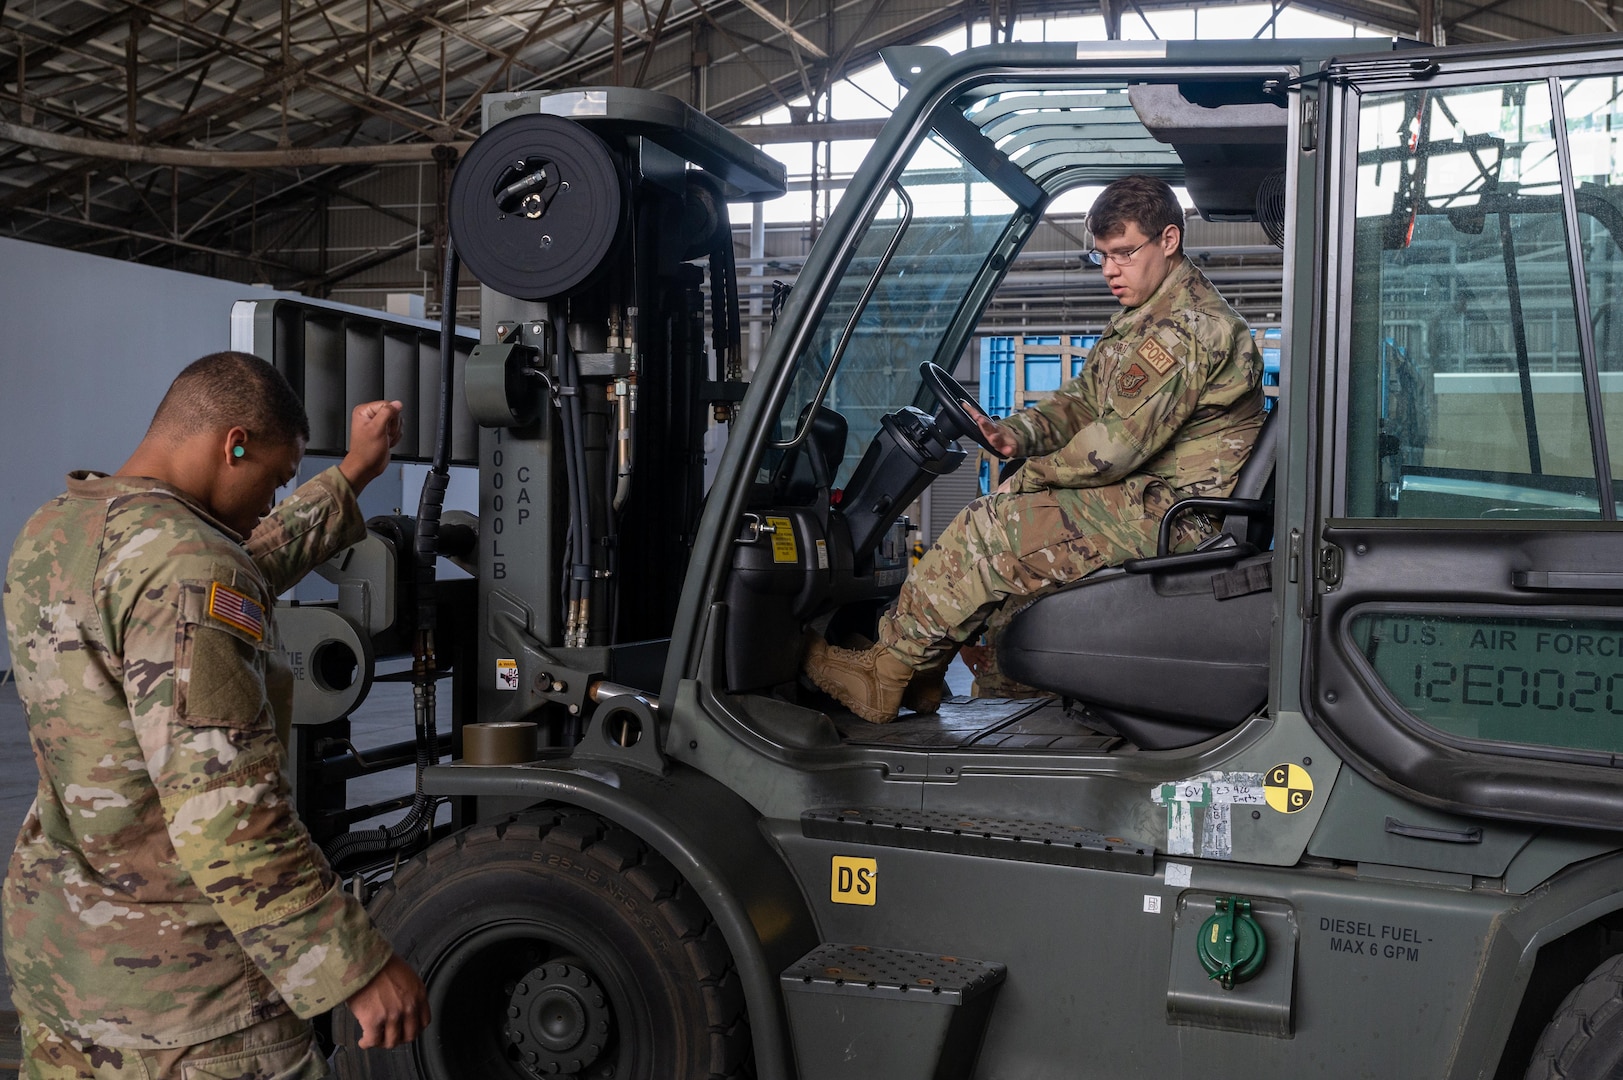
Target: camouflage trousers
{"points": [[1003, 550], [281, 1048]]}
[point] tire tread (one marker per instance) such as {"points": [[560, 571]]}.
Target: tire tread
{"points": [[1584, 1015], [620, 851]]}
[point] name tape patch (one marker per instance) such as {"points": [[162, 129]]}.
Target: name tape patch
{"points": [[236, 609], [1155, 354]]}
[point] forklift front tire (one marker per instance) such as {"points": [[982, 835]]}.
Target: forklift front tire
{"points": [[1584, 1040], [556, 944]]}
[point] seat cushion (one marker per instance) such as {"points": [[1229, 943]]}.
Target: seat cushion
{"points": [[1161, 646]]}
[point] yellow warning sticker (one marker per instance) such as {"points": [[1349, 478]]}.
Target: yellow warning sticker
{"points": [[783, 540], [854, 881], [1287, 788], [507, 674]]}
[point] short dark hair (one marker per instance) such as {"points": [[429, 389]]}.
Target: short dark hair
{"points": [[1137, 200], [232, 389]]}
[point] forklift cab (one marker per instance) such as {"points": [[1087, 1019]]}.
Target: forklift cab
{"points": [[859, 435]]}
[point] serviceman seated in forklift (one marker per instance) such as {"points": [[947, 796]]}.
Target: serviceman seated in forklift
{"points": [[1167, 407], [165, 911]]}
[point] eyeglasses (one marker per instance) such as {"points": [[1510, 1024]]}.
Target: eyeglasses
{"points": [[1120, 258]]}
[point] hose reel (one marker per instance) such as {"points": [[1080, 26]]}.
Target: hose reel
{"points": [[536, 206]]}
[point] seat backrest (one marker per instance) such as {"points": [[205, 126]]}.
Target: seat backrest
{"points": [[1256, 481]]}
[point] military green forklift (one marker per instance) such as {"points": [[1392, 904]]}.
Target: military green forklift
{"points": [[1336, 794]]}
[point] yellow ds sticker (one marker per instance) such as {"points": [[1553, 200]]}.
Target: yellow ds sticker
{"points": [[854, 881], [1287, 788], [783, 540]]}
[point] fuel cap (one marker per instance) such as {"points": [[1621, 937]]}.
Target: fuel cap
{"points": [[1231, 945]]}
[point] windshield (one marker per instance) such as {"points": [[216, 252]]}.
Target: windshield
{"points": [[901, 291], [963, 204]]}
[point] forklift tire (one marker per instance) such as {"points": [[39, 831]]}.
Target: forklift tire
{"points": [[556, 944], [1584, 1040]]}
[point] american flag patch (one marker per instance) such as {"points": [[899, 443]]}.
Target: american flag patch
{"points": [[236, 609]]}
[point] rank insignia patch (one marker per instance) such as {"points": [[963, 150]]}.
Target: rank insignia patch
{"points": [[1155, 354], [1131, 381], [236, 609]]}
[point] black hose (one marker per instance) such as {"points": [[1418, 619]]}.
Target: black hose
{"points": [[419, 820], [585, 562], [575, 476], [720, 333], [735, 319]]}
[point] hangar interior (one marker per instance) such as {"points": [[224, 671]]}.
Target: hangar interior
{"points": [[308, 147], [216, 150]]}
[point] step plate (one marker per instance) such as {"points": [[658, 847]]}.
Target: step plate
{"points": [[872, 971], [989, 838]]}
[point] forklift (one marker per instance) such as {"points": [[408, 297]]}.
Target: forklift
{"points": [[1336, 793]]}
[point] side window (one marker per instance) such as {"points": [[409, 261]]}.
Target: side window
{"points": [[1594, 113], [1466, 388]]}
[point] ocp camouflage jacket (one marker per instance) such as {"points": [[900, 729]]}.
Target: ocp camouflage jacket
{"points": [[163, 891], [1172, 389]]}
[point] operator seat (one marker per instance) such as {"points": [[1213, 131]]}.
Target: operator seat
{"points": [[1170, 649]]}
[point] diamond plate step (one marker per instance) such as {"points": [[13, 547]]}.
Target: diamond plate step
{"points": [[864, 1012], [873, 971]]}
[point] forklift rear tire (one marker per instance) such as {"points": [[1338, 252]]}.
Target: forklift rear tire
{"points": [[1584, 1040], [556, 944]]}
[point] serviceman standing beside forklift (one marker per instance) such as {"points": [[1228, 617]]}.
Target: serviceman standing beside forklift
{"points": [[165, 910], [1167, 407]]}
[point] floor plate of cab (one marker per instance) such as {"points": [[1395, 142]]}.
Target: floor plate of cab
{"points": [[981, 723]]}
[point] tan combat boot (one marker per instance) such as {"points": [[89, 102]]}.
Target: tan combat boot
{"points": [[869, 682], [928, 689]]}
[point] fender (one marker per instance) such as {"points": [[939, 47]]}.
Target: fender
{"points": [[713, 839], [1572, 899]]}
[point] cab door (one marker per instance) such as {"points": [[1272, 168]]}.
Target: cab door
{"points": [[1465, 628]]}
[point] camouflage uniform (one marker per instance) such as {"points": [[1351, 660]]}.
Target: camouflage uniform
{"points": [[163, 893], [1167, 407]]}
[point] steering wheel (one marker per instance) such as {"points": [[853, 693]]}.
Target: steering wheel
{"points": [[957, 410]]}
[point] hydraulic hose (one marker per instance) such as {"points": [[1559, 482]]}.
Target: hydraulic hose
{"points": [[578, 567], [419, 819], [735, 328], [585, 563]]}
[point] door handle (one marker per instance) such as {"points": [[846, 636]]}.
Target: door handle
{"points": [[1566, 580], [1472, 835]]}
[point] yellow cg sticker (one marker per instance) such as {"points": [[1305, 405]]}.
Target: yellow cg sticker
{"points": [[1287, 788], [854, 881]]}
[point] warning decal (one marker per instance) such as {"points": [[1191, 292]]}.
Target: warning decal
{"points": [[1288, 788], [783, 540], [507, 674]]}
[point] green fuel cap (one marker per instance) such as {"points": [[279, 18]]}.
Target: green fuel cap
{"points": [[1231, 945]]}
